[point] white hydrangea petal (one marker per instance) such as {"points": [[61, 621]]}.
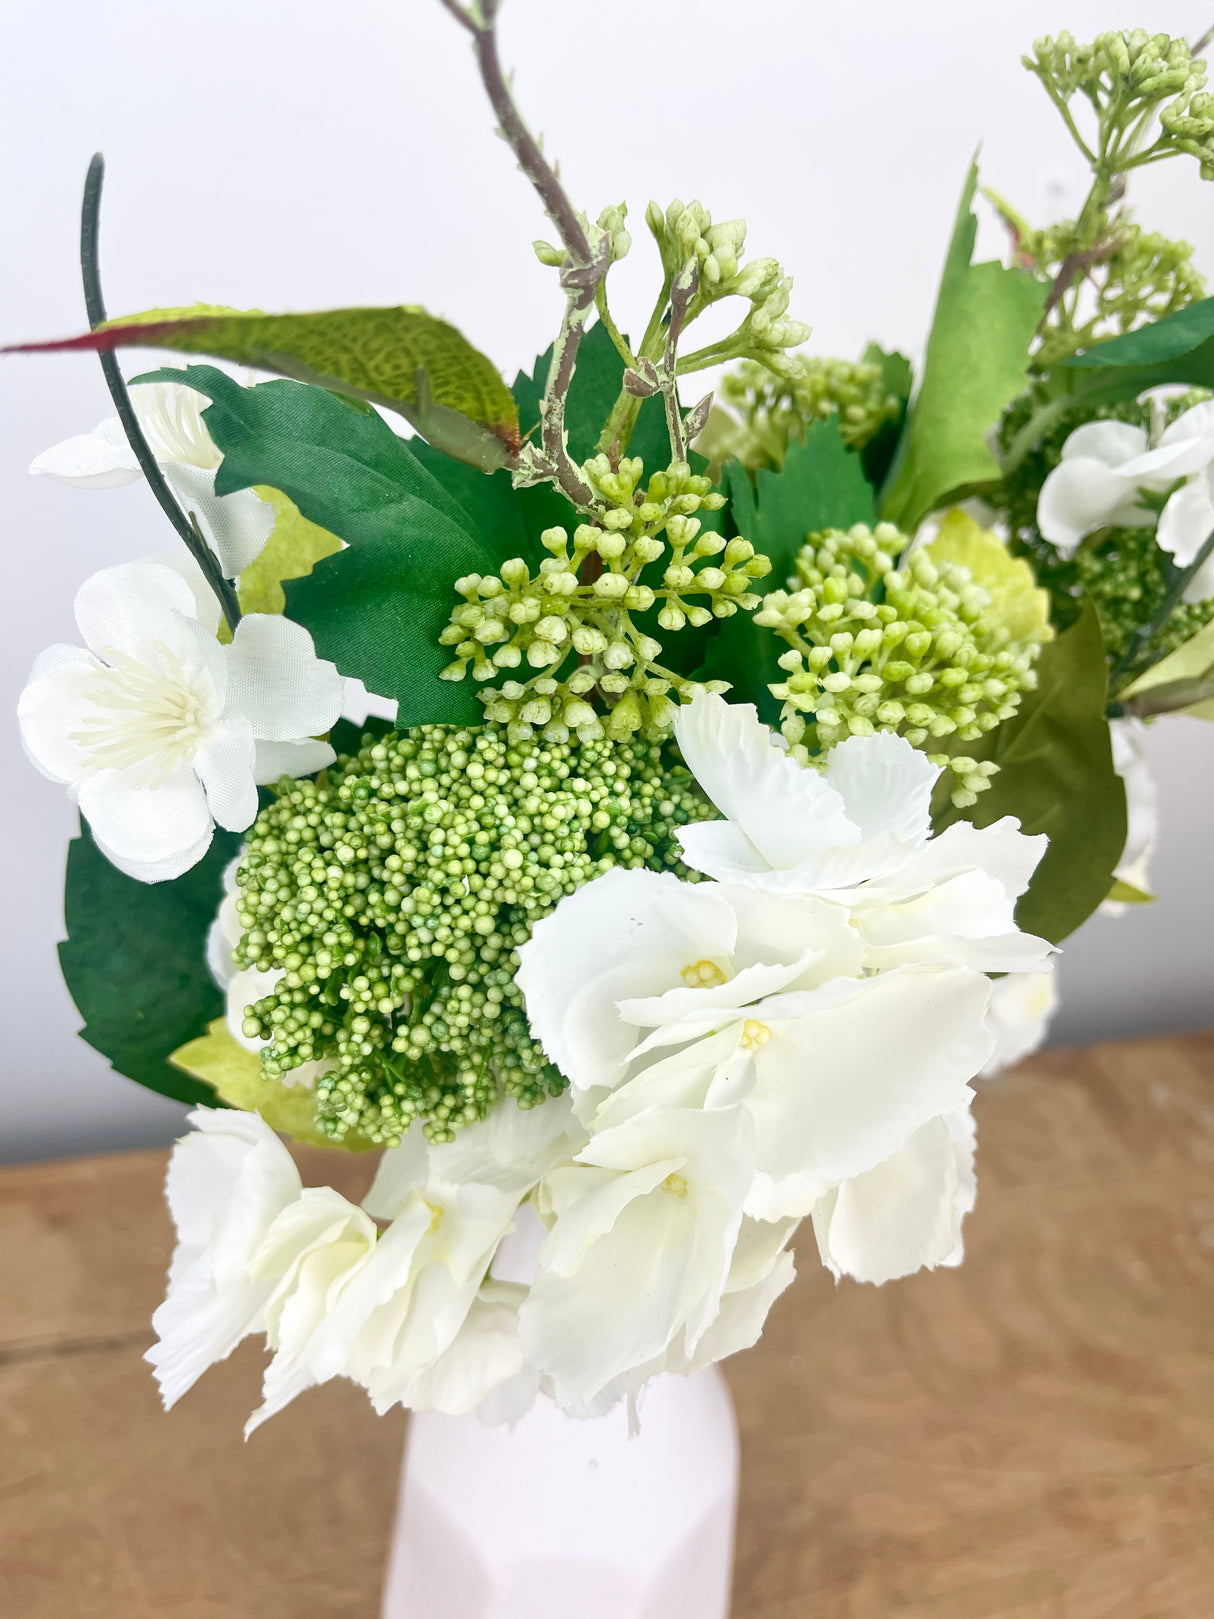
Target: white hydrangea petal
{"points": [[641, 926], [512, 1149], [971, 905], [235, 526], [905, 1214], [485, 1354], [688, 1006], [839, 1091], [788, 813], [276, 680], [762, 1268], [1002, 953], [1000, 851], [50, 708], [1186, 522], [722, 850], [224, 765], [1081, 495], [1200, 587], [1110, 442], [402, 1171], [272, 760], [133, 607], [96, 460], [885, 784], [1159, 468], [1022, 1005], [785, 927], [146, 828], [1195, 423]]}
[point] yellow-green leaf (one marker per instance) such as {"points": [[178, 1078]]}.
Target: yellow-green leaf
{"points": [[1191, 662], [402, 357], [1016, 600], [292, 551], [235, 1075], [1126, 894]]}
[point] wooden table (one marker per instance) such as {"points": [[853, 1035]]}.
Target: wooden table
{"points": [[1031, 1437]]}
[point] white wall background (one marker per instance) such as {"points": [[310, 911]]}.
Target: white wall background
{"points": [[298, 154]]}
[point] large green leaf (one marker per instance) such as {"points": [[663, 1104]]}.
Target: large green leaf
{"points": [[402, 358], [135, 961], [376, 609], [1056, 776], [1179, 348], [821, 485], [976, 364]]}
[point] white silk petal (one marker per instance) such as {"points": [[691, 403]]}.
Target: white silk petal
{"points": [[276, 680], [273, 760], [51, 708], [134, 607], [886, 785], [1187, 521], [94, 460], [1110, 442], [143, 827], [1082, 494], [235, 526]]}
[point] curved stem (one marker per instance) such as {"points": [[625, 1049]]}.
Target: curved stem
{"points": [[185, 524]]}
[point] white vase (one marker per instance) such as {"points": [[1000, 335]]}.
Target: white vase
{"points": [[567, 1519]]}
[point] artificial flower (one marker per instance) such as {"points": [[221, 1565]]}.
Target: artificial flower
{"points": [[1022, 1007], [858, 835], [905, 1213], [159, 731], [1128, 737], [236, 526], [1104, 467]]}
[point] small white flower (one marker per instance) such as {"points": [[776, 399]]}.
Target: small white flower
{"points": [[1128, 737], [905, 1214], [159, 731], [1022, 1006], [859, 836], [236, 526], [1106, 464]]}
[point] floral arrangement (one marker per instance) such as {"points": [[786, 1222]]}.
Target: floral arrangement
{"points": [[739, 767]]}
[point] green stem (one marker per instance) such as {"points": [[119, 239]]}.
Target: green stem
{"points": [[613, 331], [185, 524]]}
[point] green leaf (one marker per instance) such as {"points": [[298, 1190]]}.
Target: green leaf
{"points": [[294, 548], [1123, 893], [1056, 776], [821, 485], [1178, 348], [234, 1075], [976, 364], [135, 961], [402, 358], [597, 382], [1017, 602], [897, 379]]}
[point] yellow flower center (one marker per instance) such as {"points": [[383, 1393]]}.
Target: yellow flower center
{"points": [[675, 1184], [703, 975], [436, 1215], [754, 1034]]}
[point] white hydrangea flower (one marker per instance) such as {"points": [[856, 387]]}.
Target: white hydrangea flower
{"points": [[1022, 1008], [859, 836], [159, 731], [236, 526], [1105, 464], [1128, 737]]}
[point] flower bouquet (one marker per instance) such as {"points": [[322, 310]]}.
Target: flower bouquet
{"points": [[640, 823]]}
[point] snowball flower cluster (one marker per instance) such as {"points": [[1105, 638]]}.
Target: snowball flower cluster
{"points": [[1106, 466], [236, 526], [160, 731], [794, 1039]]}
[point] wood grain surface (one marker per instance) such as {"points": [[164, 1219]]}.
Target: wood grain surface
{"points": [[1030, 1437]]}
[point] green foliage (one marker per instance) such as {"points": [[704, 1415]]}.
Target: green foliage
{"points": [[135, 962], [597, 383], [976, 363], [402, 358], [1183, 682], [293, 550], [821, 485], [1056, 776], [1178, 348]]}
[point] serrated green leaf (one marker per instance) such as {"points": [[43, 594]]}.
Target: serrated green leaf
{"points": [[1017, 601], [976, 364], [821, 485], [135, 961], [294, 548], [402, 358], [234, 1075], [1056, 776]]}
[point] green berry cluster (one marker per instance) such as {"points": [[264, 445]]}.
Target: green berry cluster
{"points": [[586, 668], [395, 891], [909, 649], [770, 413], [1127, 578]]}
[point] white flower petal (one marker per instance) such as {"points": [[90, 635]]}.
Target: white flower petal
{"points": [[1081, 495], [886, 785], [96, 460], [1019, 1018], [51, 706], [276, 680], [132, 608], [224, 765], [272, 760], [1000, 851], [485, 1354], [170, 414], [235, 526], [1110, 442], [152, 833], [1187, 521], [1159, 468], [789, 814], [906, 1213]]}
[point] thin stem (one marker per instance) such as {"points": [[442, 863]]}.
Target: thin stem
{"points": [[1066, 115], [94, 303], [682, 296], [613, 331], [1146, 633]]}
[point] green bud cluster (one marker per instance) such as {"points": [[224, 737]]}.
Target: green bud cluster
{"points": [[395, 891], [563, 645], [909, 649], [686, 235], [1127, 577], [770, 412]]}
